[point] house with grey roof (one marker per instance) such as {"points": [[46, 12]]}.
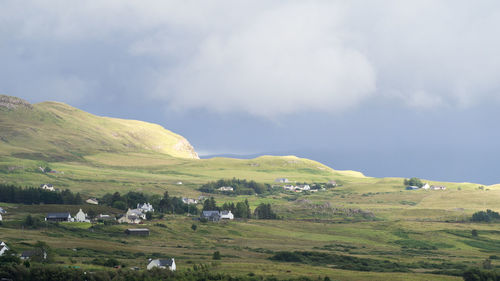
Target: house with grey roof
{"points": [[59, 217], [211, 215], [162, 263]]}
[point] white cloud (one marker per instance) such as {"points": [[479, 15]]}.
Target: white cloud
{"points": [[264, 58]]}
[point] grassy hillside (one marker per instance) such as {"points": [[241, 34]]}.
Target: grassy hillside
{"points": [[58, 132], [371, 220]]}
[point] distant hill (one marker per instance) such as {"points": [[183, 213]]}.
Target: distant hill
{"points": [[54, 131]]}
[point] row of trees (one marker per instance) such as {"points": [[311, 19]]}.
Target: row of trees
{"points": [[487, 216], [241, 209], [34, 195], [413, 182], [240, 187], [165, 204]]}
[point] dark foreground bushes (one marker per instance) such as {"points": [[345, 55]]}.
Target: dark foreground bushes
{"points": [[475, 274], [57, 273]]}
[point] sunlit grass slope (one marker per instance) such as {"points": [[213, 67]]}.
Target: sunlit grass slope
{"points": [[55, 131]]}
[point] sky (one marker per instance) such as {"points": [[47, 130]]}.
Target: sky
{"points": [[388, 88]]}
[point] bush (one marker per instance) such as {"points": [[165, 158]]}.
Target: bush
{"points": [[413, 182], [216, 255], [487, 216]]}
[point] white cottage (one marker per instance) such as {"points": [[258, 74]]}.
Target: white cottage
{"points": [[48, 187], [165, 264], [226, 215], [146, 207], [81, 217], [3, 248]]}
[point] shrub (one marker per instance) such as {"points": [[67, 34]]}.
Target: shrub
{"points": [[216, 255]]}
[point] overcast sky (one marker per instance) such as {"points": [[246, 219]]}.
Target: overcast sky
{"points": [[389, 88]]}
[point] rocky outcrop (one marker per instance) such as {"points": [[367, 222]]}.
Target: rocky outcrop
{"points": [[184, 146], [13, 102]]}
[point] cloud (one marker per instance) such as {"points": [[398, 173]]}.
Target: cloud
{"points": [[265, 58], [288, 59]]}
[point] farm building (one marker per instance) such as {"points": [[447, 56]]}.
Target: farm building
{"points": [[59, 217], [137, 231]]}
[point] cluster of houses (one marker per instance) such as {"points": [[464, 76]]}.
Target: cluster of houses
{"points": [[24, 255], [132, 216], [66, 217], [216, 216], [427, 187], [226, 188], [135, 216], [297, 188]]}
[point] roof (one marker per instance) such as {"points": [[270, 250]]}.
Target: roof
{"points": [[225, 212], [28, 253], [58, 215], [47, 184], [165, 263], [137, 229], [210, 213]]}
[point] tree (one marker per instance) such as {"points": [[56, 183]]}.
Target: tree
{"points": [[216, 255], [41, 252], [264, 211], [119, 205], [210, 205], [413, 182], [474, 233], [194, 227], [149, 216], [92, 214], [249, 212]]}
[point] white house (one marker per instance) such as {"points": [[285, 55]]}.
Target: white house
{"points": [[134, 216], [281, 180], [81, 217], [226, 215], [165, 264], [304, 187], [49, 187], [189, 200], [146, 207], [289, 187], [2, 211], [179, 183], [438, 187], [3, 248], [1, 219], [426, 186], [92, 201], [226, 188]]}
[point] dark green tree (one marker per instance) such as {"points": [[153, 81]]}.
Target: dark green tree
{"points": [[216, 255]]}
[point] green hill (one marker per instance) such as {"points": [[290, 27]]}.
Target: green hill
{"points": [[99, 154], [55, 131]]}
